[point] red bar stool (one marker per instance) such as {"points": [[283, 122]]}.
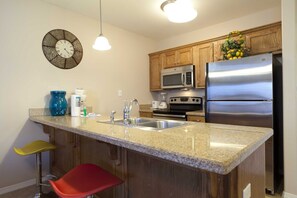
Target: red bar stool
{"points": [[83, 181]]}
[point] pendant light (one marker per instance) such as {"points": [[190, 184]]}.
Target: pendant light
{"points": [[179, 11], [101, 42]]}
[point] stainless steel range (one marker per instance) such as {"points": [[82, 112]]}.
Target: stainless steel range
{"points": [[178, 106]]}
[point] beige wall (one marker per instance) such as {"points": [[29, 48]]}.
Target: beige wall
{"points": [[241, 23], [27, 77], [289, 18]]}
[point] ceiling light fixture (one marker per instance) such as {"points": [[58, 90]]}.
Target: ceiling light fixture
{"points": [[101, 42], [179, 11]]}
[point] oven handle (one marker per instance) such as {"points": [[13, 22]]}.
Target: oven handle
{"points": [[182, 79], [169, 115]]}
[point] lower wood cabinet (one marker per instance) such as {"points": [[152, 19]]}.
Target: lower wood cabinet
{"points": [[146, 114], [195, 118]]}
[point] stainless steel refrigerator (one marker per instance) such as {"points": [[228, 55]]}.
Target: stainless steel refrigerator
{"points": [[248, 92]]}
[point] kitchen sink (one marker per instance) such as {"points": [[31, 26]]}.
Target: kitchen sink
{"points": [[148, 124]]}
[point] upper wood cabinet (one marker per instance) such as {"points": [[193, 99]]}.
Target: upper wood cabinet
{"points": [[259, 40], [156, 63], [202, 54], [178, 57], [217, 53], [265, 40]]}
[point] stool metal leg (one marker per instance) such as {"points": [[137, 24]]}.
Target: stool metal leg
{"points": [[39, 174]]}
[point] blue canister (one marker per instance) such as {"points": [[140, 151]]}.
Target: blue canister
{"points": [[58, 103]]}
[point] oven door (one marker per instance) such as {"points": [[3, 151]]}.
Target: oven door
{"points": [[169, 116]]}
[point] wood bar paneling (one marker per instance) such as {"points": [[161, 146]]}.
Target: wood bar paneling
{"points": [[146, 176]]}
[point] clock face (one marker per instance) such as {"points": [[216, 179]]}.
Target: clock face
{"points": [[62, 49]]}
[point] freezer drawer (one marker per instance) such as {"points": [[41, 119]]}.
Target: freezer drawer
{"points": [[248, 78], [247, 113]]}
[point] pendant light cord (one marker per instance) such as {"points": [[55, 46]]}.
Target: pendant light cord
{"points": [[100, 17]]}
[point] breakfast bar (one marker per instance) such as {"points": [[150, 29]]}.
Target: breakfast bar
{"points": [[192, 160]]}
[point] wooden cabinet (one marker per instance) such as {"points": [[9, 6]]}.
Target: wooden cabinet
{"points": [[217, 53], [65, 157], [156, 63], [259, 40], [145, 114], [202, 54], [178, 57], [195, 118], [264, 41]]}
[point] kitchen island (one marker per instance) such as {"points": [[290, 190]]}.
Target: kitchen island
{"points": [[194, 160]]}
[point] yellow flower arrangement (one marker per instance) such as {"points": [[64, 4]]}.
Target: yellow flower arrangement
{"points": [[234, 46]]}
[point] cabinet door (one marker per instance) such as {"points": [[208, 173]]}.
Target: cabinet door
{"points": [[146, 114], [170, 59], [155, 72], [202, 54], [263, 41], [196, 118], [64, 157], [184, 56], [217, 52]]}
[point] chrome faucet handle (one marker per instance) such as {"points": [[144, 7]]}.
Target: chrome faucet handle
{"points": [[112, 116]]}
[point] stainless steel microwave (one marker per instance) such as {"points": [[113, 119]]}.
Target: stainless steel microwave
{"points": [[178, 77]]}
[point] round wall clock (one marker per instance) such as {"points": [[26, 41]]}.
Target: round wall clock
{"points": [[62, 49]]}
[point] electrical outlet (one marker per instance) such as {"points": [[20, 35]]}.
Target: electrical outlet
{"points": [[247, 191]]}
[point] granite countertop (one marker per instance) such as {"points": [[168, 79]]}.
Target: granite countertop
{"points": [[213, 147]]}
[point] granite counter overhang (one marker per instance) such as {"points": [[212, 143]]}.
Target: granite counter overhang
{"points": [[212, 147]]}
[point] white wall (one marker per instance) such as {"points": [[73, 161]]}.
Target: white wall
{"points": [[26, 77], [241, 23], [289, 28]]}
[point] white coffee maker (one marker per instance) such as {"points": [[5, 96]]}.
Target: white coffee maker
{"points": [[163, 103]]}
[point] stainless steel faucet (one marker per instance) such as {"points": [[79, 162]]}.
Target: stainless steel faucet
{"points": [[127, 110]]}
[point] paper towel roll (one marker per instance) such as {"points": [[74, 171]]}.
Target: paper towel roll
{"points": [[75, 105]]}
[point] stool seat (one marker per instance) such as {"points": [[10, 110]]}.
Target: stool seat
{"points": [[84, 180], [34, 147]]}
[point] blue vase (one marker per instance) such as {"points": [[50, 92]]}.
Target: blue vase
{"points": [[58, 103]]}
